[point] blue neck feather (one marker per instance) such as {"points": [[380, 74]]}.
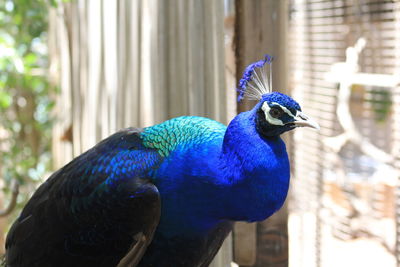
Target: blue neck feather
{"points": [[256, 169]]}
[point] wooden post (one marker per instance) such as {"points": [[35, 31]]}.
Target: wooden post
{"points": [[261, 28]]}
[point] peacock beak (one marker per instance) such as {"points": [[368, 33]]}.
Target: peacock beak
{"points": [[302, 120]]}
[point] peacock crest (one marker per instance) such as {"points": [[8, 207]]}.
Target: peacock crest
{"points": [[254, 82]]}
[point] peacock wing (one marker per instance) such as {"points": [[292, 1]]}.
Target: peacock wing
{"points": [[98, 209]]}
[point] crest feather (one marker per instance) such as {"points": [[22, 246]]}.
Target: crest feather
{"points": [[254, 82]]}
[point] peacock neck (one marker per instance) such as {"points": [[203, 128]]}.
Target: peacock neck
{"points": [[256, 168]]}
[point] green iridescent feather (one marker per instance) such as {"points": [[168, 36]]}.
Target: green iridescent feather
{"points": [[165, 137]]}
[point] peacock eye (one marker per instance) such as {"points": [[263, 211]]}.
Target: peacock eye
{"points": [[275, 112]]}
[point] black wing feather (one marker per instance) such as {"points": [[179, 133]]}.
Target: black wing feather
{"points": [[88, 214]]}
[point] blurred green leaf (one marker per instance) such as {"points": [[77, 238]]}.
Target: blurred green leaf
{"points": [[5, 100], [381, 103], [30, 59]]}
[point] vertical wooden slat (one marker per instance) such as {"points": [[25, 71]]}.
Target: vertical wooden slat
{"points": [[123, 35], [64, 98], [265, 24], [215, 100], [146, 68], [132, 89], [83, 69], [73, 26], [396, 123], [160, 60], [110, 41], [177, 53], [94, 45], [195, 57]]}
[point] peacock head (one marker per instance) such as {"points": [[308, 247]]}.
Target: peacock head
{"points": [[276, 113]]}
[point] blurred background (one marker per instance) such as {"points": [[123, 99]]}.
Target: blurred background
{"points": [[74, 71]]}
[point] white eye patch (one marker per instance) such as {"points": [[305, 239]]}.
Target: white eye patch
{"points": [[274, 121]]}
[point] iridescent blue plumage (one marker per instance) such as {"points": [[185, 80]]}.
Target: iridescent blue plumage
{"points": [[165, 195]]}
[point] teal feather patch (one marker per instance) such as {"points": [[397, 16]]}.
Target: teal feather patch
{"points": [[184, 131]]}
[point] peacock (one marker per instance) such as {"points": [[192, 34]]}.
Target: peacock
{"points": [[165, 195]]}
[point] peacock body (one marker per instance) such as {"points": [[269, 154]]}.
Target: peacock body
{"points": [[165, 195]]}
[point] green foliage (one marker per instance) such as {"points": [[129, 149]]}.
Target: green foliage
{"points": [[25, 103], [381, 103]]}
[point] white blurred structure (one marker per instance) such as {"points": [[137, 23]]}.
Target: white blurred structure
{"points": [[346, 70]]}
